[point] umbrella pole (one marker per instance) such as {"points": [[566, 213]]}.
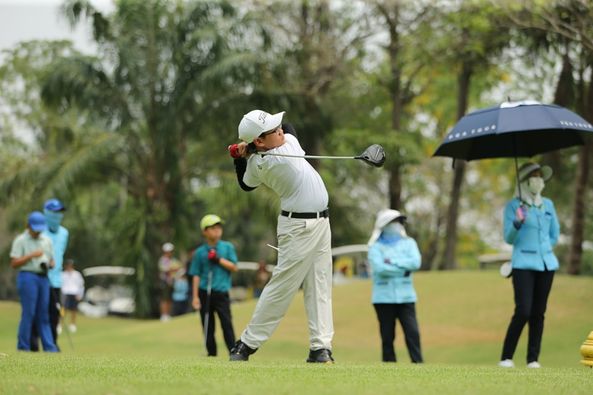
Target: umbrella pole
{"points": [[518, 181], [517, 166]]}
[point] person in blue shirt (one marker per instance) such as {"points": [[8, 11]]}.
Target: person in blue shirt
{"points": [[393, 256], [531, 227], [212, 265], [53, 210], [180, 293], [32, 254]]}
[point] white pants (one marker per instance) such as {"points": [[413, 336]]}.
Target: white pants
{"points": [[304, 257]]}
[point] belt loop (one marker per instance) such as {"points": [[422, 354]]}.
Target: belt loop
{"points": [[290, 214], [318, 214]]}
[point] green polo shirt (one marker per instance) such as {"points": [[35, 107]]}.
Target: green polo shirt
{"points": [[25, 244]]}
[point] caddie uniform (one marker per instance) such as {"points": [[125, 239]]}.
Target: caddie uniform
{"points": [[304, 243]]}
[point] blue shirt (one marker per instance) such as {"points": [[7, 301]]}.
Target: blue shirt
{"points": [[201, 266], [180, 290], [534, 240], [59, 240], [392, 264]]}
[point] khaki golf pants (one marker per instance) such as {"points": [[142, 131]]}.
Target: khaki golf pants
{"points": [[304, 258]]}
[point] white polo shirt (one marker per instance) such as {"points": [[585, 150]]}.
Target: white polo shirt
{"points": [[298, 184]]}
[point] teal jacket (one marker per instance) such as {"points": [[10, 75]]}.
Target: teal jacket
{"points": [[534, 240], [59, 240], [391, 265], [201, 266]]}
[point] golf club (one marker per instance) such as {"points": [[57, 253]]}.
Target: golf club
{"points": [[207, 313], [374, 155], [63, 319]]}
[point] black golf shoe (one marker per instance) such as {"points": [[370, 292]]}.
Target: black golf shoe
{"points": [[241, 352], [320, 356]]}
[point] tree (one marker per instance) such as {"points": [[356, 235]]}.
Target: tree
{"points": [[147, 95], [404, 23], [565, 26], [475, 38]]}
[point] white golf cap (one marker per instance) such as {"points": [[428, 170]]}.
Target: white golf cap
{"points": [[384, 217], [257, 122], [168, 247]]}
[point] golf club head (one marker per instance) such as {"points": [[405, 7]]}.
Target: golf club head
{"points": [[373, 155]]}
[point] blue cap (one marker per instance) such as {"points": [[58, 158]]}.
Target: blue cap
{"points": [[36, 221], [54, 205]]}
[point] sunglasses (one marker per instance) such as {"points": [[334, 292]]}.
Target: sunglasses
{"points": [[269, 132]]}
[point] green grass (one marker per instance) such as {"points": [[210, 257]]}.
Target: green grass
{"points": [[462, 316]]}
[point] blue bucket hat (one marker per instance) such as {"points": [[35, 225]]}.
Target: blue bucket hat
{"points": [[54, 205], [36, 221]]}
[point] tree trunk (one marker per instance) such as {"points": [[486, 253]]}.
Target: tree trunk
{"points": [[579, 208], [579, 211], [395, 178], [449, 259]]}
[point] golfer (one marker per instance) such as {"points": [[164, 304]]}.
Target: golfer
{"points": [[393, 257], [212, 265], [304, 235], [531, 226]]}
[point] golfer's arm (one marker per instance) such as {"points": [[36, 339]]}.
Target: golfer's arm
{"points": [[240, 168], [195, 285], [228, 265]]}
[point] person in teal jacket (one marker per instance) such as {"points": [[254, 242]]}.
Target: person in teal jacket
{"points": [[211, 268], [531, 227], [393, 256]]}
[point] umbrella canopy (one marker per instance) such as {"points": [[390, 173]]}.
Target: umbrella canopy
{"points": [[514, 129]]}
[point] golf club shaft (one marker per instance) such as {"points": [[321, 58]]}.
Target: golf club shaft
{"points": [[309, 156], [207, 313]]}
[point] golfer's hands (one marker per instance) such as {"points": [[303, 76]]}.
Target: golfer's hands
{"points": [[238, 150], [213, 256], [196, 303]]}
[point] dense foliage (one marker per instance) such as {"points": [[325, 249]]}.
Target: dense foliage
{"points": [[133, 137]]}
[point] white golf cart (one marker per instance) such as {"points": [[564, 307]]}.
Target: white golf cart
{"points": [[107, 291]]}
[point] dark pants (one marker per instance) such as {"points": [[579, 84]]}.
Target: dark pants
{"points": [[180, 307], [54, 319], [531, 298], [387, 314], [220, 303]]}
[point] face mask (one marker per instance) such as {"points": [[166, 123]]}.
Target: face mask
{"points": [[53, 219], [535, 185], [394, 229]]}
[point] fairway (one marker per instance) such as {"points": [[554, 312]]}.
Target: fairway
{"points": [[462, 316]]}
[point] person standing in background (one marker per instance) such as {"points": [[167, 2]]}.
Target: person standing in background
{"points": [[72, 292], [168, 266], [393, 256], [212, 265], [180, 294], [531, 226], [53, 210], [32, 254]]}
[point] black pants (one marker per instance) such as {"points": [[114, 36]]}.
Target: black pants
{"points": [[219, 303], [54, 319], [531, 298], [387, 315]]}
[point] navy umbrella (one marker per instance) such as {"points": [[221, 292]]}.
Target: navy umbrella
{"points": [[514, 129]]}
